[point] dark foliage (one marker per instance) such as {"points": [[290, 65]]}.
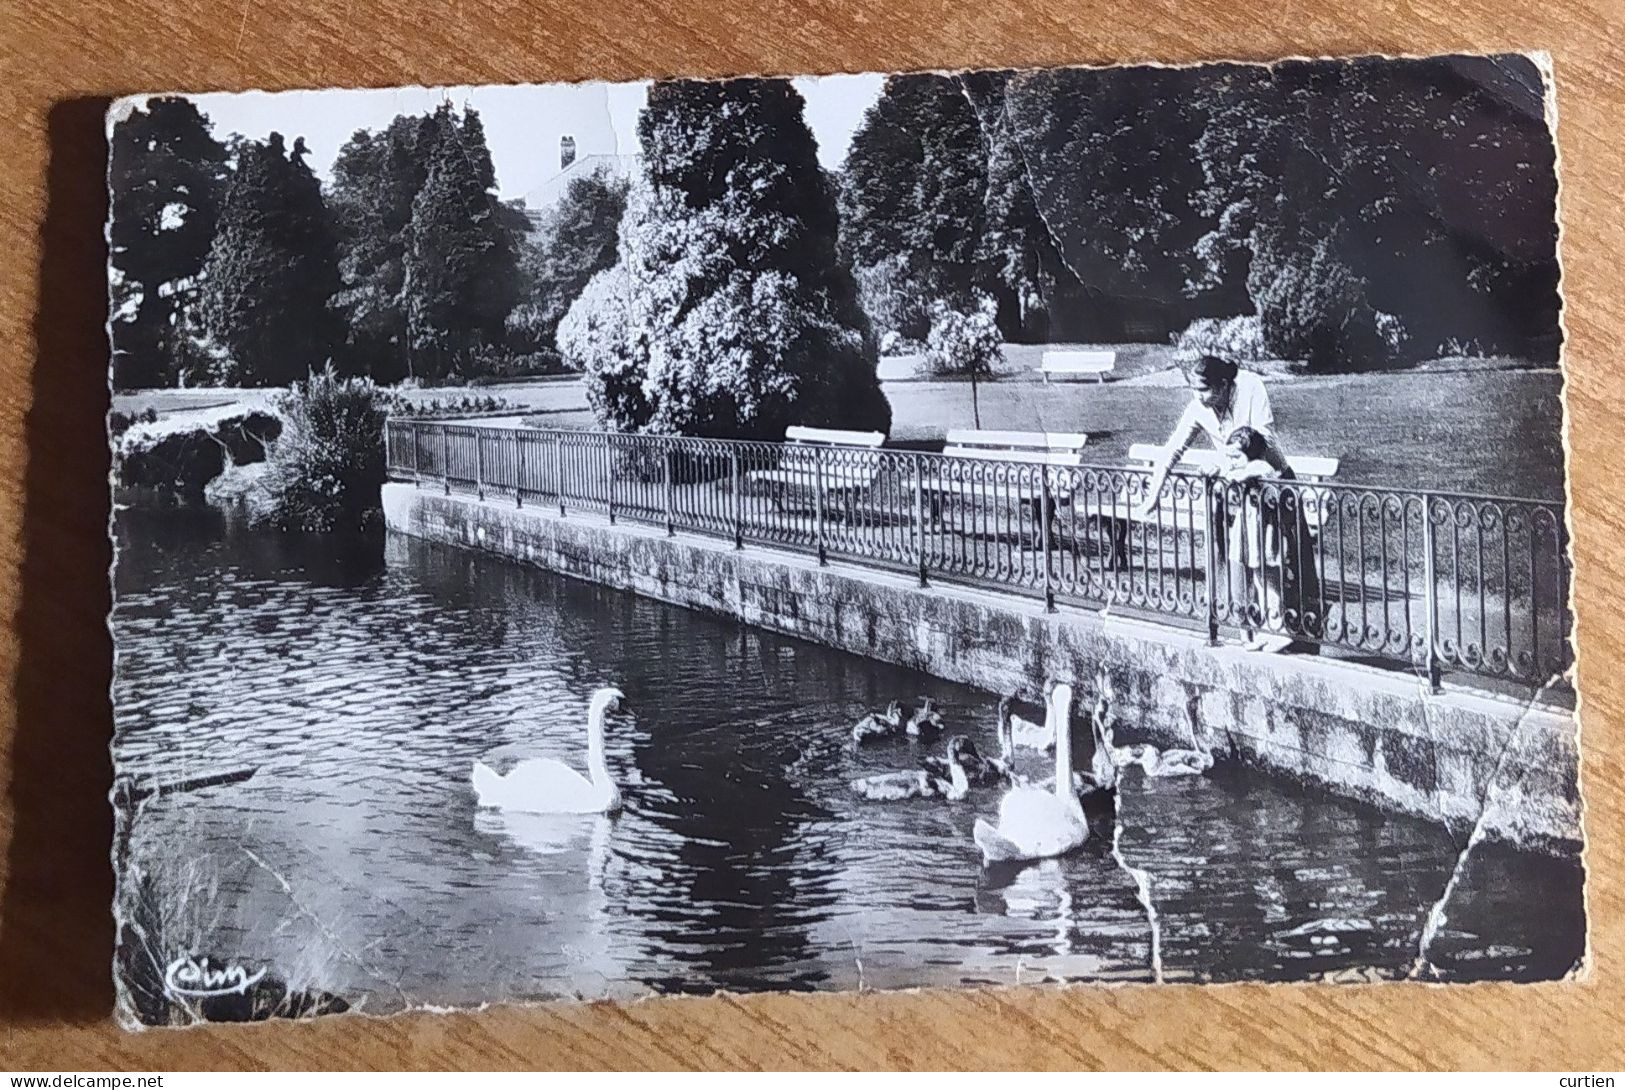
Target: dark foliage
{"points": [[461, 276], [327, 466], [271, 271], [577, 239], [731, 314], [376, 179], [167, 175]]}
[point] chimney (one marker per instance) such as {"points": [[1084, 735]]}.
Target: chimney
{"points": [[567, 151]]}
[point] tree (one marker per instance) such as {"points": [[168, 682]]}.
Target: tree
{"points": [[913, 190], [461, 274], [1022, 266], [595, 336], [167, 175], [1109, 164], [578, 239], [1379, 208], [739, 318], [965, 342], [271, 270], [376, 179]]}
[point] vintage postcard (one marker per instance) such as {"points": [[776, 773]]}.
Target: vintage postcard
{"points": [[1091, 525]]}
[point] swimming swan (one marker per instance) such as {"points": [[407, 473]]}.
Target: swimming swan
{"points": [[1024, 732], [919, 783], [926, 722], [543, 785], [1035, 823], [979, 770], [878, 725], [1181, 762]]}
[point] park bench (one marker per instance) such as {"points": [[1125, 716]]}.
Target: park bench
{"points": [[961, 476], [809, 462], [1309, 468], [1189, 511], [1062, 364]]}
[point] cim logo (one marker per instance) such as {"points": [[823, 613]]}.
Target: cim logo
{"points": [[188, 977]]}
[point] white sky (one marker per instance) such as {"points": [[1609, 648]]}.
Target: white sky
{"points": [[523, 124]]}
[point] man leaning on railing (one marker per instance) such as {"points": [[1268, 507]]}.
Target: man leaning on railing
{"points": [[1224, 398]]}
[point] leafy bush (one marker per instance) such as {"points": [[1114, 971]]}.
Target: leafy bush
{"points": [[894, 302], [895, 344], [512, 365], [964, 341], [328, 465], [450, 405], [594, 336], [1312, 307], [119, 422], [1240, 338], [529, 326]]}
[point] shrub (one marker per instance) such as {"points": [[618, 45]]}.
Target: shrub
{"points": [[529, 326], [119, 422], [1240, 338], [892, 300], [895, 344], [594, 336], [450, 405], [1312, 307], [964, 341], [328, 465]]}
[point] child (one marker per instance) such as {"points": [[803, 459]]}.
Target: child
{"points": [[1256, 535]]}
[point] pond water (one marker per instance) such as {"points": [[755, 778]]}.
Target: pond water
{"points": [[364, 677]]}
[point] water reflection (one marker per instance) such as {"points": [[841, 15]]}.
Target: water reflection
{"points": [[364, 691]]}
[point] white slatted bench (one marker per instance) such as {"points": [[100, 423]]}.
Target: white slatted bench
{"points": [[1061, 451], [1189, 512], [843, 479], [1062, 364], [1309, 468]]}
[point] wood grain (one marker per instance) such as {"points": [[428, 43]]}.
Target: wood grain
{"points": [[58, 64]]}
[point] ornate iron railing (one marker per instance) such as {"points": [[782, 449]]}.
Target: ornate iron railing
{"points": [[1441, 581]]}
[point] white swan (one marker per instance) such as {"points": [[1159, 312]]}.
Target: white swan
{"points": [[878, 725], [543, 785], [1024, 732], [920, 783], [1035, 823], [1181, 762]]}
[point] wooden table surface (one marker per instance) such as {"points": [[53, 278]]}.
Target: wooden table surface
{"points": [[62, 60]]}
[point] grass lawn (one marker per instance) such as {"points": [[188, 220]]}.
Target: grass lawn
{"points": [[1469, 430], [1451, 425]]}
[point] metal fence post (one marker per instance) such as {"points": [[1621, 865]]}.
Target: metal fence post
{"points": [[445, 458], [818, 503], [1210, 500], [1430, 593], [609, 478], [666, 487], [1045, 500], [417, 476], [518, 473], [738, 499], [479, 463], [558, 471], [919, 517]]}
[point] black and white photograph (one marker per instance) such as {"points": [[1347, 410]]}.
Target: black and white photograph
{"points": [[1091, 526]]}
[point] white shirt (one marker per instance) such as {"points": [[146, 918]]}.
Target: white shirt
{"points": [[1249, 408]]}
